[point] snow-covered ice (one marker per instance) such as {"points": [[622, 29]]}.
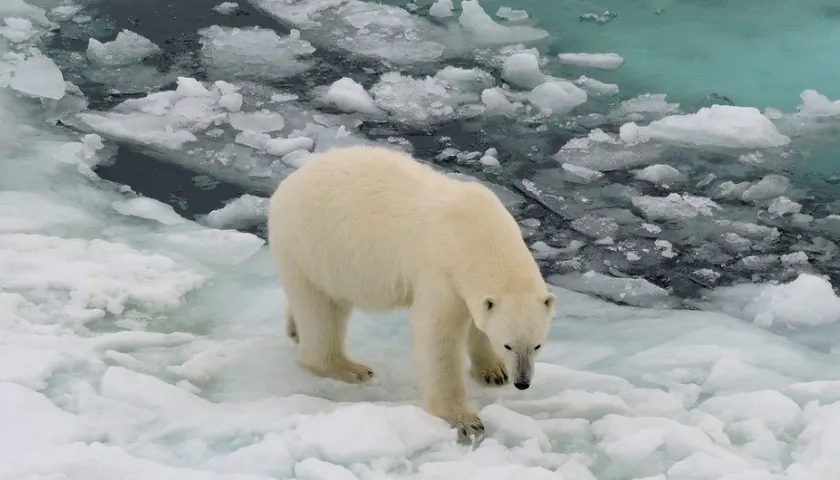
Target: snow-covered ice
{"points": [[137, 343]]}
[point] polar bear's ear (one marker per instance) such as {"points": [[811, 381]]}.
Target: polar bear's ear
{"points": [[488, 302], [549, 300]]}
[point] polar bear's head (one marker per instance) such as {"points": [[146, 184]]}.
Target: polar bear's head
{"points": [[517, 326]]}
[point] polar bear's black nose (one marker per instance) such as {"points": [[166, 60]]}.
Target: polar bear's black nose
{"points": [[522, 385]]}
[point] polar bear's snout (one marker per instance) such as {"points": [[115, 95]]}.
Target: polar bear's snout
{"points": [[523, 370]]}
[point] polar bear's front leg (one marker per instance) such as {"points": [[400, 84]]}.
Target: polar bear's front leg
{"points": [[487, 367], [439, 332]]}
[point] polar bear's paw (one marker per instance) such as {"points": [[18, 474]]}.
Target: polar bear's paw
{"points": [[343, 370], [493, 374]]}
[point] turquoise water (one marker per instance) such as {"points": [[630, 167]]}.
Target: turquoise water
{"points": [[756, 53]]}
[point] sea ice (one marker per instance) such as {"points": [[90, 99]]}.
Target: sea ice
{"points": [[807, 301], [226, 8], [350, 96], [483, 31], [718, 125], [523, 70], [253, 53], [136, 343], [557, 97], [38, 76], [604, 61], [441, 9], [127, 48]]}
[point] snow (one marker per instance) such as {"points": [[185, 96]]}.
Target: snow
{"points": [[136, 342], [603, 61], [127, 48]]}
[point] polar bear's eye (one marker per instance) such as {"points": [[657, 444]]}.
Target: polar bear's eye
{"points": [[507, 347], [537, 347]]}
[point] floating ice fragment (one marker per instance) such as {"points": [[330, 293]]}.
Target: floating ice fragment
{"points": [[485, 32], [38, 76], [258, 122], [674, 206], [523, 70], [496, 102], [512, 15], [807, 301], [127, 48], [665, 175], [815, 104], [630, 291], [226, 8], [581, 174], [604, 61], [441, 9], [783, 206], [242, 212], [350, 96], [718, 125], [451, 94], [557, 97], [596, 87], [17, 29], [772, 185], [253, 53], [150, 209]]}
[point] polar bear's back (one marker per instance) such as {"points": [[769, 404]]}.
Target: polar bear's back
{"points": [[364, 222]]}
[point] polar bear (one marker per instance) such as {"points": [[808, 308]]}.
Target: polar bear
{"points": [[372, 228]]}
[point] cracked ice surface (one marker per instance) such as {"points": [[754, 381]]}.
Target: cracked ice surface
{"points": [[136, 343]]}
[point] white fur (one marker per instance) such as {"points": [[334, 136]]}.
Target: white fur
{"points": [[372, 228]]}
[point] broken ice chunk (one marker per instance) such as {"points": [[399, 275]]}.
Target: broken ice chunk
{"points": [[579, 174], [523, 70], [451, 94], [485, 32], [604, 61], [496, 102], [595, 226], [664, 175], [253, 53], [243, 212], [150, 209], [557, 97], [17, 29], [674, 206], [38, 76], [226, 8], [350, 96], [770, 186], [441, 9], [815, 104], [259, 122], [590, 85], [512, 15], [718, 125], [783, 206], [631, 291], [127, 48]]}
